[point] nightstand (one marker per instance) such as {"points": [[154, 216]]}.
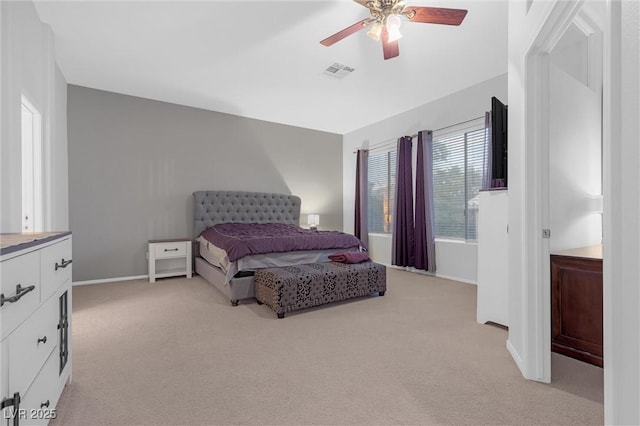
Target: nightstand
{"points": [[169, 258]]}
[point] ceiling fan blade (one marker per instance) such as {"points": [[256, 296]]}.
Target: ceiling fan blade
{"points": [[434, 15], [390, 49], [346, 32]]}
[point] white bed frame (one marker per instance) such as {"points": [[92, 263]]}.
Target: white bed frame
{"points": [[212, 207]]}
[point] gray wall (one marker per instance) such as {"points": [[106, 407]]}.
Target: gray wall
{"points": [[134, 163]]}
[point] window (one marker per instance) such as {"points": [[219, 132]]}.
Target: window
{"points": [[32, 210], [382, 188], [457, 178]]}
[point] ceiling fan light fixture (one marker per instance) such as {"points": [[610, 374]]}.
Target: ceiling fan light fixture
{"points": [[393, 27], [375, 32], [386, 18]]}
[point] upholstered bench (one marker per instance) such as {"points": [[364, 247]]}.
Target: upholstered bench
{"points": [[291, 288]]}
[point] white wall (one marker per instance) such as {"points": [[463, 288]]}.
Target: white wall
{"points": [[454, 260], [57, 189], [575, 151], [621, 189], [457, 260], [621, 213], [29, 68], [379, 248]]}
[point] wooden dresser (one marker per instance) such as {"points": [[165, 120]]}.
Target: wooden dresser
{"points": [[576, 304], [35, 319]]}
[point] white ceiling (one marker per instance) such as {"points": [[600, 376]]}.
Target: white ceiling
{"points": [[263, 59]]}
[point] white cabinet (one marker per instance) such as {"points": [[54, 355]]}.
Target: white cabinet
{"points": [[35, 318], [493, 288], [169, 258]]}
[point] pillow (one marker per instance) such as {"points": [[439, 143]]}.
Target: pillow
{"points": [[349, 257]]}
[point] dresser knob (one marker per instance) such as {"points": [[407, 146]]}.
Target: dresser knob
{"points": [[43, 340]]}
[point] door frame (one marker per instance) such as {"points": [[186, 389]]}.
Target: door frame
{"points": [[536, 188]]}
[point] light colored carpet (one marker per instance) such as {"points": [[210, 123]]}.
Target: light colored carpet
{"points": [[176, 352]]}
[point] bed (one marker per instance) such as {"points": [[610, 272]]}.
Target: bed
{"points": [[235, 278]]}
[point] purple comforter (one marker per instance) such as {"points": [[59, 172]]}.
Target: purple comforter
{"points": [[242, 239]]}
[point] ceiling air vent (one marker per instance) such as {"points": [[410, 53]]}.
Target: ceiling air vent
{"points": [[338, 70]]}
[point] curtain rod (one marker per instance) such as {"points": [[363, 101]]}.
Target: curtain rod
{"points": [[383, 143], [457, 124], [380, 144]]}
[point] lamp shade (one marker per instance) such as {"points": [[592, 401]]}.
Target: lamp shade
{"points": [[393, 28], [375, 31], [313, 219]]}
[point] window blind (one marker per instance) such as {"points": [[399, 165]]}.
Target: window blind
{"points": [[382, 188], [458, 157]]}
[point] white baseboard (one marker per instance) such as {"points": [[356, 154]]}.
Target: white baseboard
{"points": [[515, 356], [416, 271], [431, 274], [110, 280], [461, 280]]}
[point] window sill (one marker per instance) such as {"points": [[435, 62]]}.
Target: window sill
{"points": [[452, 241], [438, 240]]}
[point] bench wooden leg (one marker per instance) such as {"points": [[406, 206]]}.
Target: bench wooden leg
{"points": [[234, 302], [381, 293], [281, 315]]}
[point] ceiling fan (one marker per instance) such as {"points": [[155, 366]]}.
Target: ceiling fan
{"points": [[386, 19]]}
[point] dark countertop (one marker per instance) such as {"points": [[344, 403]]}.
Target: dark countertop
{"points": [[10, 243]]}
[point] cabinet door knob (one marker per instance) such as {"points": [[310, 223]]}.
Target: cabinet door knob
{"points": [[43, 340], [45, 404]]}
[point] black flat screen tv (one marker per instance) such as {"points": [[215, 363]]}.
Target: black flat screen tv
{"points": [[498, 143]]}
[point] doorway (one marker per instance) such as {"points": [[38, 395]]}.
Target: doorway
{"points": [[564, 181]]}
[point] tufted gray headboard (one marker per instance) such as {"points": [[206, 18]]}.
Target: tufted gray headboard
{"points": [[212, 207]]}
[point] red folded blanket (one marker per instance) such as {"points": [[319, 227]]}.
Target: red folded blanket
{"points": [[349, 257]]}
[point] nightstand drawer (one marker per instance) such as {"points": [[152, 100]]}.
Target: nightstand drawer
{"points": [[19, 302], [168, 250], [172, 256]]}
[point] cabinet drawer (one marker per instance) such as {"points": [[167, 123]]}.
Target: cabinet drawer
{"points": [[168, 250], [32, 345], [40, 400], [24, 271], [56, 267]]}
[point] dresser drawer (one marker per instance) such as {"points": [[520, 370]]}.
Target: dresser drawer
{"points": [[4, 369], [23, 271], [169, 250], [56, 267], [29, 348], [40, 400]]}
